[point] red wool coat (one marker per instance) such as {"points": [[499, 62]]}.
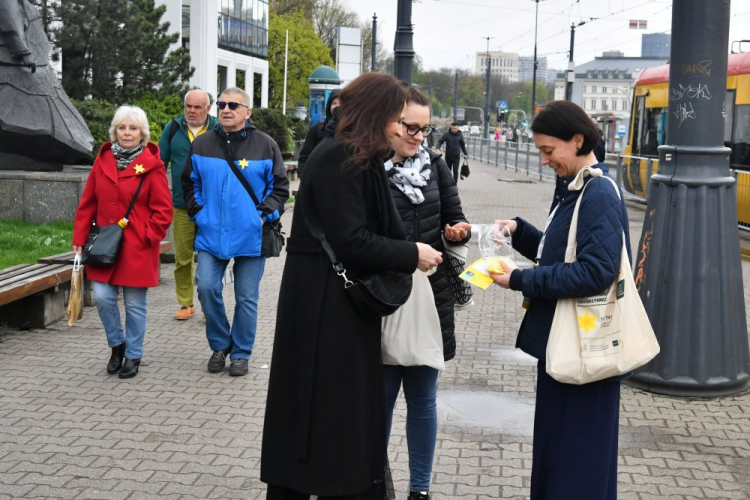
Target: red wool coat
{"points": [[106, 197]]}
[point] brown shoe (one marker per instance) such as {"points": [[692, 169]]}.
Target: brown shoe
{"points": [[184, 313]]}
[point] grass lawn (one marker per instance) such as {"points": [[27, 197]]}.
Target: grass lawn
{"points": [[25, 242]]}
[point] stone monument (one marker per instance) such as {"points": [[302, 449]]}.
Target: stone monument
{"points": [[40, 129]]}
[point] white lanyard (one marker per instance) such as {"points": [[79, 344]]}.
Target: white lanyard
{"points": [[546, 227]]}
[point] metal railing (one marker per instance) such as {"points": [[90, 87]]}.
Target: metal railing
{"points": [[632, 173]]}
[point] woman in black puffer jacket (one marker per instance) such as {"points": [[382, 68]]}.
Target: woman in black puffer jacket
{"points": [[427, 199]]}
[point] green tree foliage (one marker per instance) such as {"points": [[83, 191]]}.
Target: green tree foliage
{"points": [[289, 7], [306, 52], [118, 50], [273, 123], [98, 115]]}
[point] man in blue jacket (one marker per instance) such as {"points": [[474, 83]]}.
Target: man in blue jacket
{"points": [[174, 146], [230, 225]]}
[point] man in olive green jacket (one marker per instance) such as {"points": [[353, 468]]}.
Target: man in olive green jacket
{"points": [[174, 146]]}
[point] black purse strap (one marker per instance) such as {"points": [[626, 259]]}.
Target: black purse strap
{"points": [[237, 173], [135, 197], [316, 230]]}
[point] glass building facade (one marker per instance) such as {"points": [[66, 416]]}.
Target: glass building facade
{"points": [[242, 26]]}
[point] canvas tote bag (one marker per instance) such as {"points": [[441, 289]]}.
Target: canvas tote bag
{"points": [[594, 338], [412, 335]]}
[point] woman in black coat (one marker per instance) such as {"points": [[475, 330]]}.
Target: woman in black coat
{"points": [[427, 200], [316, 134], [324, 430], [575, 426]]}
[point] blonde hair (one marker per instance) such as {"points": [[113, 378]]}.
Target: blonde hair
{"points": [[136, 116]]}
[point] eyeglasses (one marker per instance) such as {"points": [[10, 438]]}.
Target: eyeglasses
{"points": [[412, 129], [232, 105]]}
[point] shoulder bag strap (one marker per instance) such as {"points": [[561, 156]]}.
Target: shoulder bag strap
{"points": [[316, 230], [135, 197], [237, 173]]}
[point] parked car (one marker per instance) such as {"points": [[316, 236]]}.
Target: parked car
{"points": [[464, 129], [474, 130]]}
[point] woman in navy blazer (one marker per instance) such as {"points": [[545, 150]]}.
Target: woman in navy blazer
{"points": [[575, 426]]}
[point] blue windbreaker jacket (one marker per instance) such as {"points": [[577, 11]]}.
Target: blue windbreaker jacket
{"points": [[228, 222]]}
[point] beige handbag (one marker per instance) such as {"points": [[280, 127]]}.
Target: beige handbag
{"points": [[594, 338], [412, 335]]}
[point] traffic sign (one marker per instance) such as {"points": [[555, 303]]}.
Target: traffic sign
{"points": [[502, 104]]}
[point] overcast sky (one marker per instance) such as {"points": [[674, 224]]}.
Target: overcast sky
{"points": [[448, 33]]}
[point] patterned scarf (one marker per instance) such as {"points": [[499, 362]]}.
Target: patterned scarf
{"points": [[412, 175], [125, 156]]}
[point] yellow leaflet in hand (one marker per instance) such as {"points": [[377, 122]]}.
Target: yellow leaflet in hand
{"points": [[478, 272]]}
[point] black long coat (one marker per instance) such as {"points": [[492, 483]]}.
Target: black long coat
{"points": [[425, 223], [324, 427]]}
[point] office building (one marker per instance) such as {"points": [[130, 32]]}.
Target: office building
{"points": [[227, 41]]}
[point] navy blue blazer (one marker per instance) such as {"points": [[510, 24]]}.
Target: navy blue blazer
{"points": [[602, 219]]}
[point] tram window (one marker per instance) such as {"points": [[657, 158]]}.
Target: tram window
{"points": [[728, 116], [654, 131], [741, 137], [640, 103]]}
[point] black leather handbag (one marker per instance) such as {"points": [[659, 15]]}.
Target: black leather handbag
{"points": [[374, 294], [465, 172], [273, 237], [103, 243]]}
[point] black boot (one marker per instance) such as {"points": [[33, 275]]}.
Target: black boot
{"points": [[115, 361], [130, 368]]}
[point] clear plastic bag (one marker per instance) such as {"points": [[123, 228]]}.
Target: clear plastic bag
{"points": [[496, 246]]}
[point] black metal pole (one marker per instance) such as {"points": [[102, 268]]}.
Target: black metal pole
{"points": [[455, 100], [430, 100], [374, 42], [533, 84], [688, 270], [403, 49], [571, 66], [487, 92]]}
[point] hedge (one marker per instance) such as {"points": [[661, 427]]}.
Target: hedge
{"points": [[98, 115]]}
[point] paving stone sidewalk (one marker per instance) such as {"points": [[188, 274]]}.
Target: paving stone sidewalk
{"points": [[69, 430]]}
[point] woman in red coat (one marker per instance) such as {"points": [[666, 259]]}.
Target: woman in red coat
{"points": [[119, 168]]}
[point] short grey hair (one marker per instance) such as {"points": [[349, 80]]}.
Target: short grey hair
{"points": [[133, 114], [238, 91], [208, 96]]}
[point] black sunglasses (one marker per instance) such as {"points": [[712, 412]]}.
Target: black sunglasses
{"points": [[232, 105], [415, 129]]}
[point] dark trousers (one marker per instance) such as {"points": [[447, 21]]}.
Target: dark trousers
{"points": [[281, 493], [575, 440], [454, 164]]}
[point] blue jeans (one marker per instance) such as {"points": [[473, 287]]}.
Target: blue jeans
{"points": [[420, 391], [247, 274], [135, 316]]}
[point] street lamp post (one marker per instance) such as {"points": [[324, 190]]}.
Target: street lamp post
{"points": [[487, 91], [533, 83], [403, 49], [688, 271]]}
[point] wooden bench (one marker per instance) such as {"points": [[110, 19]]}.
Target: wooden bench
{"points": [[291, 170], [34, 290], [31, 294]]}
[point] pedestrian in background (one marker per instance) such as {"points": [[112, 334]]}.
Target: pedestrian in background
{"points": [[318, 131], [324, 431], [230, 225], [454, 146], [576, 427], [600, 150], [427, 201], [123, 164], [174, 147]]}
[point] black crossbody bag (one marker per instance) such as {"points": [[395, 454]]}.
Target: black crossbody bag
{"points": [[378, 293], [103, 243], [273, 238]]}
